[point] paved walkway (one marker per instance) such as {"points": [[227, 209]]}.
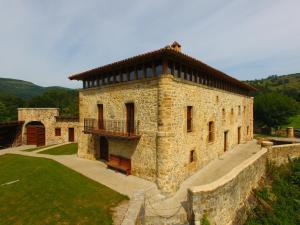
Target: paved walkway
{"points": [[92, 169], [216, 169]]}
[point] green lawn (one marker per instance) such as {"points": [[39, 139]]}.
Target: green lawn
{"points": [[68, 149], [50, 193], [295, 122], [36, 148]]}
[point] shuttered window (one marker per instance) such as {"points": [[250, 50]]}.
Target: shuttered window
{"points": [[57, 132]]}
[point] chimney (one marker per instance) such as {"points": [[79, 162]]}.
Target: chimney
{"points": [[176, 46]]}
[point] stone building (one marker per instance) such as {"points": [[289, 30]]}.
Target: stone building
{"points": [[161, 115], [44, 126]]}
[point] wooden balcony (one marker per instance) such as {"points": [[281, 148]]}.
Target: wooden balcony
{"points": [[112, 128]]}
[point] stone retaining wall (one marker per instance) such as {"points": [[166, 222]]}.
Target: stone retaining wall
{"points": [[281, 154], [135, 213], [220, 200]]}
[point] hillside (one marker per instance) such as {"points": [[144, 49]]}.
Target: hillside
{"points": [[23, 89], [18, 93], [288, 84]]}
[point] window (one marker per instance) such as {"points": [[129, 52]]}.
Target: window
{"points": [[148, 70], [140, 72], [217, 98], [132, 74], [211, 131], [177, 70], [111, 78], [57, 132], [170, 68], [124, 76], [189, 118], [239, 110], [192, 156], [118, 77], [158, 68], [247, 130], [232, 111]]}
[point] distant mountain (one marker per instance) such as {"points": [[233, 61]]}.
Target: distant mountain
{"points": [[277, 82], [23, 89]]}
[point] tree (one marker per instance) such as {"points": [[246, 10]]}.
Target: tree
{"points": [[4, 115], [274, 109]]}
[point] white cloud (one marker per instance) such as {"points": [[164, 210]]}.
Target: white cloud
{"points": [[46, 41]]}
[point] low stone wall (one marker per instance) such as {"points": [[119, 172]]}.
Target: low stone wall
{"points": [[281, 154], [136, 211], [221, 200]]}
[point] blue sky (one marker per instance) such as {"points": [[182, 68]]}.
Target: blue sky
{"points": [[46, 41]]}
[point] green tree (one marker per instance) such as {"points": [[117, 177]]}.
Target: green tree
{"points": [[274, 109], [66, 100], [4, 115]]}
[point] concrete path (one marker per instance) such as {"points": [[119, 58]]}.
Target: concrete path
{"points": [[92, 169], [167, 207]]}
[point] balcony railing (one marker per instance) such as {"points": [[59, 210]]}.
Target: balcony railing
{"points": [[112, 128]]}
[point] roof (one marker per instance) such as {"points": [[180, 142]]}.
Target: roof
{"points": [[167, 52]]}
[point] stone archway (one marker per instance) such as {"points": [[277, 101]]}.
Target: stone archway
{"points": [[35, 133]]}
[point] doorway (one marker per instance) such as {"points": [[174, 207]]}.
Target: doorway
{"points": [[71, 134], [130, 118], [239, 135], [35, 133], [103, 148], [225, 141]]}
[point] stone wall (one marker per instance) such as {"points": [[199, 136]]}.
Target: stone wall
{"points": [[143, 94], [221, 200], [162, 154], [281, 154], [47, 116], [228, 111]]}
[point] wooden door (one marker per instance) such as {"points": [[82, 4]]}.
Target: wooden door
{"points": [[225, 141], [31, 135], [35, 135], [103, 148], [40, 136], [239, 135], [130, 118], [71, 134], [100, 117]]}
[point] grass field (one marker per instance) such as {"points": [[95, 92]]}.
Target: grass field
{"points": [[35, 149], [68, 149], [50, 193], [295, 122]]}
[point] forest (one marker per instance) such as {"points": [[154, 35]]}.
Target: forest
{"points": [[16, 94]]}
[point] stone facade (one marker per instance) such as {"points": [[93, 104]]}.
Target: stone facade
{"points": [[48, 117], [163, 153]]}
